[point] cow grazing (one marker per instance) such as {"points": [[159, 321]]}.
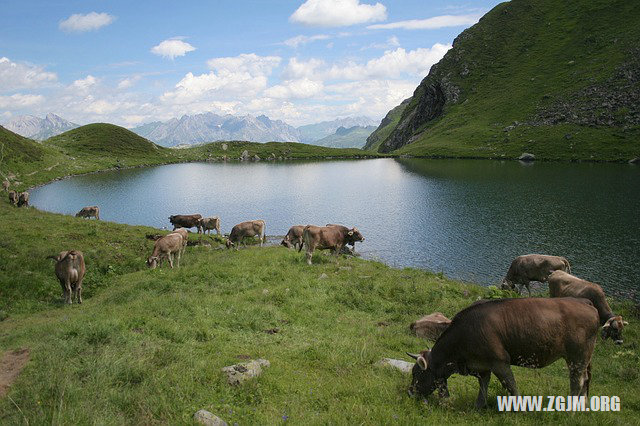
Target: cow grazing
{"points": [[185, 220], [328, 237], [166, 247], [532, 267], [5, 186], [89, 212], [294, 237], [562, 284], [13, 197], [23, 199], [246, 229], [209, 223], [430, 326], [490, 336], [70, 270]]}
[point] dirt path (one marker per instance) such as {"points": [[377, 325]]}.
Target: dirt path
{"points": [[11, 365]]}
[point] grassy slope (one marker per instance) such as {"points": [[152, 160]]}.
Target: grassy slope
{"points": [[387, 125], [102, 146], [524, 55], [147, 346]]}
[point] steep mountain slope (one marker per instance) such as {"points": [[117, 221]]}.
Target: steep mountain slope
{"points": [[209, 127], [352, 137], [388, 123], [558, 79], [40, 128], [311, 133]]}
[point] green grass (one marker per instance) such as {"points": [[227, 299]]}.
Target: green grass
{"points": [[147, 346], [522, 57]]}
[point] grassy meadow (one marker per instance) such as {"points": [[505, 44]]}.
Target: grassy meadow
{"points": [[147, 346]]}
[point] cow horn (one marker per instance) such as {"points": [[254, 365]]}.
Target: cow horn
{"points": [[422, 362], [625, 322], [414, 356]]}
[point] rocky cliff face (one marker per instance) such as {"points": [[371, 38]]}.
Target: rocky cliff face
{"points": [[529, 71]]}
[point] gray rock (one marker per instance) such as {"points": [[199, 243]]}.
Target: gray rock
{"points": [[244, 156], [323, 276], [527, 157], [206, 418], [256, 158], [239, 373], [635, 160], [401, 365], [224, 146]]}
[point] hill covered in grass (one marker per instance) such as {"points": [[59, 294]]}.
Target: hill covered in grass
{"points": [[556, 79]]}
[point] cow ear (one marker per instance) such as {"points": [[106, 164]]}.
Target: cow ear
{"points": [[606, 326], [414, 356], [350, 233], [625, 322], [422, 362]]}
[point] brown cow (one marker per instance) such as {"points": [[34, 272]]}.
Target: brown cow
{"points": [[184, 220], [13, 197], [430, 326], [562, 284], [209, 223], [328, 237], [294, 237], [489, 337], [246, 229], [5, 186], [70, 270], [89, 212], [532, 267], [166, 247], [23, 199], [184, 234]]}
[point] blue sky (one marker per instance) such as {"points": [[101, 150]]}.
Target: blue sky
{"points": [[299, 61]]}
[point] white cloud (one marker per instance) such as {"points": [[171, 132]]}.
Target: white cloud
{"points": [[430, 23], [85, 83], [91, 21], [392, 41], [231, 77], [18, 101], [300, 69], [172, 48], [128, 82], [14, 76], [302, 39], [296, 89], [338, 13]]}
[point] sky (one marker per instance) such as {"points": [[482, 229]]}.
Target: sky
{"points": [[133, 62]]}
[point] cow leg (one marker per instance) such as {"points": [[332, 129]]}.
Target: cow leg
{"points": [[579, 375], [309, 256], [170, 257], [79, 290], [483, 382], [67, 291], [505, 375], [178, 262]]}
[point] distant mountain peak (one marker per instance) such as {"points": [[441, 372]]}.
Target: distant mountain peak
{"points": [[33, 127]]}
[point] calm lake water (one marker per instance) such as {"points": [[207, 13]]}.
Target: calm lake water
{"points": [[465, 218]]}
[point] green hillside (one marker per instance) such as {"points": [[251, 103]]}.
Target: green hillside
{"points": [[352, 137], [556, 79], [100, 139]]}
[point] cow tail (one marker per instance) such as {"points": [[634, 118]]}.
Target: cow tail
{"points": [[264, 233], [567, 264]]}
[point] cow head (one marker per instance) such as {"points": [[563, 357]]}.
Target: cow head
{"points": [[285, 242], [424, 380], [152, 262], [229, 244], [507, 285], [613, 329], [354, 236]]}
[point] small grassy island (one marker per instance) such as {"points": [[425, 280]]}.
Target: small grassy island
{"points": [[148, 346]]}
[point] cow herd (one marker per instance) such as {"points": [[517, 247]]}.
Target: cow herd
{"points": [[487, 337]]}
